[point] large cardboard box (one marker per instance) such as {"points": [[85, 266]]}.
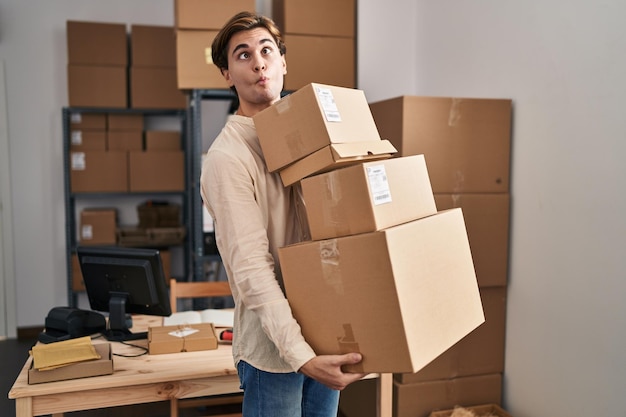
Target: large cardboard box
{"points": [[97, 86], [208, 14], [321, 17], [96, 43], [102, 366], [367, 197], [98, 227], [79, 120], [88, 140], [311, 118], [163, 140], [152, 46], [401, 296], [99, 171], [156, 171], [487, 220], [466, 141], [195, 68], [125, 140], [304, 65], [155, 88], [178, 338], [481, 352]]}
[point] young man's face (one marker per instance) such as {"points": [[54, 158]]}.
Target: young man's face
{"points": [[256, 69]]}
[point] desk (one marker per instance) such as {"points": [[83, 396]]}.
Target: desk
{"points": [[144, 379]]}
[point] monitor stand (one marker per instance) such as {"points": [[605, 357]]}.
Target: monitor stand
{"points": [[118, 330]]}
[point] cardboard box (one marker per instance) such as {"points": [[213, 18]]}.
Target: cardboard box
{"points": [[96, 43], [163, 140], [422, 398], [487, 220], [481, 352], [156, 171], [98, 227], [336, 156], [99, 171], [208, 14], [102, 366], [155, 88], [311, 118], [166, 261], [413, 283], [466, 141], [78, 283], [97, 86], [304, 66], [368, 197], [125, 121], [321, 17], [179, 338], [152, 46], [88, 140], [195, 68], [124, 140], [95, 121], [489, 410]]}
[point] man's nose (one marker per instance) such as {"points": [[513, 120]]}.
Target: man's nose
{"points": [[259, 64]]}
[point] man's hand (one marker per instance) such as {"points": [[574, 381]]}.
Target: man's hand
{"points": [[326, 369]]}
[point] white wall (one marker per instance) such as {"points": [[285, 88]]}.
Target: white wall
{"points": [[561, 63]]}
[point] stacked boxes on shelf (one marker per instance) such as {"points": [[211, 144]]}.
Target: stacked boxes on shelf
{"points": [[321, 41], [385, 274], [197, 23]]}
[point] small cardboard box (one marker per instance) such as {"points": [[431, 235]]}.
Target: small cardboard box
{"points": [[163, 140], [368, 197], [99, 171], [466, 141], [304, 66], [321, 17], [195, 68], [78, 283], [155, 88], [88, 140], [98, 227], [102, 366], [208, 14], [310, 119], [152, 46], [156, 171], [409, 290], [490, 410], [124, 140], [178, 338], [96, 43], [80, 120], [125, 121], [97, 86]]}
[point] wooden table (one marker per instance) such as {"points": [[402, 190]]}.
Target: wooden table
{"points": [[143, 379]]}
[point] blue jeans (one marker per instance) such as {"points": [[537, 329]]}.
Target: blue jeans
{"points": [[267, 394]]}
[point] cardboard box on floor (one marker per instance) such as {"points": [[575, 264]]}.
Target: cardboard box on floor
{"points": [[401, 296], [102, 366], [466, 141], [367, 197], [490, 410]]}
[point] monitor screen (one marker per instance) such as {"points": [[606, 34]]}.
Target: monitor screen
{"points": [[123, 281]]}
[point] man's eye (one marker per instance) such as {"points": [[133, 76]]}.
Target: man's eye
{"points": [[244, 55], [266, 50]]}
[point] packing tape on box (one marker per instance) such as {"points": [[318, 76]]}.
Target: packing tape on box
{"points": [[329, 259], [182, 332]]}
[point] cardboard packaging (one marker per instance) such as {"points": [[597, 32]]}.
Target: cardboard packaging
{"points": [[368, 197], [102, 366], [490, 410], [466, 141], [96, 43], [98, 227], [97, 121], [153, 46], [487, 220], [304, 65], [78, 283], [181, 338], [163, 140], [88, 140], [155, 88], [310, 119], [208, 14], [195, 68], [97, 86], [321, 17], [156, 171], [413, 283], [481, 352], [124, 140], [99, 171], [125, 121]]}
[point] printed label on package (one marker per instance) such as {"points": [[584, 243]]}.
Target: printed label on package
{"points": [[75, 118], [77, 137], [86, 232], [78, 161], [183, 332], [326, 99], [379, 186]]}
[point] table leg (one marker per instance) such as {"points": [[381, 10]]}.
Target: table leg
{"points": [[24, 407], [384, 395]]}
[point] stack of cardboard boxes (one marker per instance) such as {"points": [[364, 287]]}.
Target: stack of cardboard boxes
{"points": [[385, 274]]}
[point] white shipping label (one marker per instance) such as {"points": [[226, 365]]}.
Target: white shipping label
{"points": [[79, 162], [379, 186], [183, 332], [75, 118], [86, 232], [77, 137], [326, 99]]}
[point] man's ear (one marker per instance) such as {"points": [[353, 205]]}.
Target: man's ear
{"points": [[226, 75], [284, 65]]}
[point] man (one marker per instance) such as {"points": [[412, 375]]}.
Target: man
{"points": [[255, 215]]}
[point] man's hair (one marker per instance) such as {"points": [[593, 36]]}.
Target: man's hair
{"points": [[240, 22]]}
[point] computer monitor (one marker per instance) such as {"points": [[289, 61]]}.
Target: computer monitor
{"points": [[124, 281]]}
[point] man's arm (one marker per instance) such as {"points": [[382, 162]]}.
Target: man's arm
{"points": [[327, 370]]}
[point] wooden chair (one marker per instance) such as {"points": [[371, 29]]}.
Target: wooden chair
{"points": [[200, 289]]}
